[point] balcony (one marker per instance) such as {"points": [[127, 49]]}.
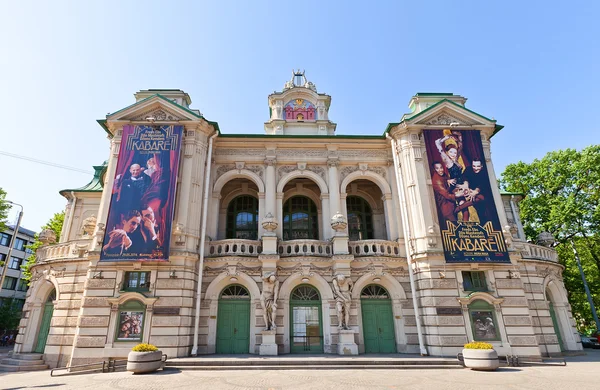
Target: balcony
{"points": [[75, 249], [233, 247], [374, 248], [537, 252], [305, 248]]}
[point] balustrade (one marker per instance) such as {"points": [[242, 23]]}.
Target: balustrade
{"points": [[374, 248], [538, 252], [63, 250], [233, 247], [305, 248]]}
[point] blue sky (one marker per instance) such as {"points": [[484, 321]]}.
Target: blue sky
{"points": [[532, 65]]}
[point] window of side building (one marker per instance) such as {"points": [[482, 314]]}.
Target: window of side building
{"points": [[15, 263], [20, 244], [9, 283], [22, 285], [136, 281], [5, 239], [474, 281]]}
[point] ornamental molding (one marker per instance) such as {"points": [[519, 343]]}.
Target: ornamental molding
{"points": [[239, 166], [445, 118], [363, 167], [382, 153], [544, 272], [240, 152], [285, 169], [160, 114]]}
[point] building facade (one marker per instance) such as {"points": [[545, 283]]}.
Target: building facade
{"points": [[14, 286], [293, 241]]}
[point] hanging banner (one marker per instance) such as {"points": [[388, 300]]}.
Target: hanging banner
{"points": [[467, 214], [143, 195]]}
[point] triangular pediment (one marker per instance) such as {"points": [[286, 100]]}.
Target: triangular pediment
{"points": [[158, 107], [446, 113]]}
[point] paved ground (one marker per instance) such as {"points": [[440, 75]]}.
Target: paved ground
{"points": [[581, 373]]}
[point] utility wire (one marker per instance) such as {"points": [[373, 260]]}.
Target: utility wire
{"points": [[35, 160]]}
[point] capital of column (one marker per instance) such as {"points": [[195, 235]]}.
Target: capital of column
{"points": [[216, 195], [270, 161], [333, 162], [261, 195], [324, 196], [343, 195], [279, 195]]}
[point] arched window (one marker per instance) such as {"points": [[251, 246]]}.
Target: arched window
{"points": [[483, 321], [374, 291], [235, 291], [242, 218], [360, 219], [300, 219]]}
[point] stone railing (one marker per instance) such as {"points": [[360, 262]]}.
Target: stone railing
{"points": [[374, 248], [233, 247], [65, 250], [305, 248], [537, 252]]}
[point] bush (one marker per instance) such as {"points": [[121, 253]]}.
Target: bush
{"points": [[144, 348], [478, 345]]}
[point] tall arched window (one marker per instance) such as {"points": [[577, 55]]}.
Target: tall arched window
{"points": [[242, 218], [360, 219], [300, 219]]}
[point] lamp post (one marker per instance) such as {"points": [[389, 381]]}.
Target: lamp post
{"points": [[12, 243], [585, 286]]}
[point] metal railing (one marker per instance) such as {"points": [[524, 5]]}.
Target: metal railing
{"points": [[112, 365]]}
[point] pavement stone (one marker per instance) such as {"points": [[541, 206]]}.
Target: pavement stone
{"points": [[581, 373]]}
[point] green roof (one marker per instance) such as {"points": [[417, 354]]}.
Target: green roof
{"points": [[502, 192], [95, 185], [102, 122], [434, 94]]}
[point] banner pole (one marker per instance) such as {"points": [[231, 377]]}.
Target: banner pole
{"points": [[202, 242]]}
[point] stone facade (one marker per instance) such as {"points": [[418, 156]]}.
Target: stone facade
{"points": [[331, 172]]}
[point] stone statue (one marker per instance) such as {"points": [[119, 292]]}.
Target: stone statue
{"points": [[342, 290], [268, 299], [88, 226]]}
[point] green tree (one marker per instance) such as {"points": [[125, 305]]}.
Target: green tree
{"points": [[10, 313], [55, 224], [4, 207], [562, 196]]}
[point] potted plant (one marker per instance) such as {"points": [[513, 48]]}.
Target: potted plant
{"points": [[478, 355], [144, 358]]}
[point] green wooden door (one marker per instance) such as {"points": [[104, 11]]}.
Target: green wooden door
{"points": [[378, 326], [44, 327], [378, 320], [556, 327], [233, 321]]}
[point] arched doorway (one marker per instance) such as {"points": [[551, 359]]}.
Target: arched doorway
{"points": [[45, 323], [306, 329], [233, 320], [555, 322], [377, 320]]}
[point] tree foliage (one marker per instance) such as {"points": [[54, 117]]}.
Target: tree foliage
{"points": [[562, 196], [55, 224], [10, 314], [4, 207]]}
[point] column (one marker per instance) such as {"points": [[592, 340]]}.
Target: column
{"points": [[279, 230], [334, 195], [212, 225], [327, 232], [270, 188], [389, 219]]}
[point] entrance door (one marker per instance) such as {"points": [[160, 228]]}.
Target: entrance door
{"points": [[233, 321], [378, 320], [45, 325], [556, 327], [306, 331]]}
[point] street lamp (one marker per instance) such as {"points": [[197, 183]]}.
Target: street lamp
{"points": [[12, 243]]}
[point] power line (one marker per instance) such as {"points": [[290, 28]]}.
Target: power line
{"points": [[35, 160]]}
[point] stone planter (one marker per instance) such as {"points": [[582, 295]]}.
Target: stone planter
{"points": [[481, 359], [141, 362]]}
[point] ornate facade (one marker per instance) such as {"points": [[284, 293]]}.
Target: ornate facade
{"points": [[310, 242]]}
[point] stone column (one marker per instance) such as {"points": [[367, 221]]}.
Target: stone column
{"points": [[326, 234], [334, 192], [270, 188], [279, 215], [389, 217], [212, 225]]}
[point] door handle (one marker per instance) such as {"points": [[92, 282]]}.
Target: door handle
{"points": [[380, 331], [234, 330]]}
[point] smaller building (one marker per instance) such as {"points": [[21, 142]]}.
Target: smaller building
{"points": [[14, 285]]}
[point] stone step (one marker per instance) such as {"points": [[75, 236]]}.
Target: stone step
{"points": [[310, 362], [318, 367], [27, 356], [11, 368], [20, 362]]}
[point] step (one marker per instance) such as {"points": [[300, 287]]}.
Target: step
{"points": [[20, 362], [38, 367], [318, 367], [27, 356], [309, 362]]}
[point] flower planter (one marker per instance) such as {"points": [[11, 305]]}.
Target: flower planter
{"points": [[141, 362], [481, 359]]}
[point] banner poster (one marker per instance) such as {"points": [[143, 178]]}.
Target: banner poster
{"points": [[467, 214], [143, 195], [130, 326]]}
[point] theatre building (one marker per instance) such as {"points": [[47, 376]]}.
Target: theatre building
{"points": [[294, 240]]}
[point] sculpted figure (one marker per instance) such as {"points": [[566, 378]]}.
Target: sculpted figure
{"points": [[342, 290], [268, 299]]}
